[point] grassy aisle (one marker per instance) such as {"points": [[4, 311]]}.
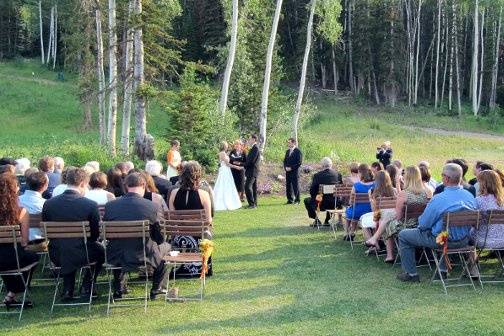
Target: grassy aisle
{"points": [[276, 276]]}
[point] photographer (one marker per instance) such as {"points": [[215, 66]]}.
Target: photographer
{"points": [[384, 153]]}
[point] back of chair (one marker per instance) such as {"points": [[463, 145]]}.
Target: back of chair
{"points": [[342, 191], [386, 202], [66, 230], [185, 223], [34, 221], [11, 234], [125, 229], [327, 189], [101, 210], [462, 218], [413, 211], [359, 198], [495, 217]]}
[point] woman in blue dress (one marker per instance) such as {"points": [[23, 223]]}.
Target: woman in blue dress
{"points": [[353, 213]]}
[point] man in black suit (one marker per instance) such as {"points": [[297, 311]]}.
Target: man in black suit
{"points": [[326, 176], [128, 253], [70, 254], [292, 163], [252, 172]]}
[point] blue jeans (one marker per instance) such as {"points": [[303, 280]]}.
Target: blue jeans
{"points": [[410, 239]]}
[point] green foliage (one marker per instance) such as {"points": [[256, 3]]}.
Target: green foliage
{"points": [[329, 26], [195, 121]]}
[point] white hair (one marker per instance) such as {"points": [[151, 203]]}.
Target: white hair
{"points": [[153, 167], [22, 165], [453, 172], [95, 165], [326, 163], [59, 163], [130, 165]]}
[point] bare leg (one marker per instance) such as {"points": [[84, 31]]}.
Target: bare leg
{"points": [[389, 243], [379, 232]]}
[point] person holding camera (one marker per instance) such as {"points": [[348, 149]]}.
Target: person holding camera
{"points": [[384, 153]]}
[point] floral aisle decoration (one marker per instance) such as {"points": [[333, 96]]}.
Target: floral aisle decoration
{"points": [[206, 247], [442, 239]]}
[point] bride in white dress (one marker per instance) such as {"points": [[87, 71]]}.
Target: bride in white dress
{"points": [[225, 194]]}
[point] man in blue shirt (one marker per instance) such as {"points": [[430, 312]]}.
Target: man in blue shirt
{"points": [[453, 199]]}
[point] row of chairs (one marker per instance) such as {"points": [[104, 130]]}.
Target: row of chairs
{"points": [[176, 223]]}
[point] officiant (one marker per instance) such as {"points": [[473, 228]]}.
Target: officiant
{"points": [[292, 163]]}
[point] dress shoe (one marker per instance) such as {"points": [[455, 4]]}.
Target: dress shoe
{"points": [[289, 202], [117, 295], [252, 207], [443, 274], [405, 277], [155, 293], [67, 296], [297, 202]]}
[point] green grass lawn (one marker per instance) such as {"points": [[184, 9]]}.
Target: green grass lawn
{"points": [[276, 276]]}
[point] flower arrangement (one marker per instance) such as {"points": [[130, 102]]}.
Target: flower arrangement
{"points": [[206, 246], [442, 239]]}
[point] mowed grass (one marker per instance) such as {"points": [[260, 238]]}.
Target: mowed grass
{"points": [[276, 276]]}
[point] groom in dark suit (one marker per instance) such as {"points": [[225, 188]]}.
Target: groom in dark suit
{"points": [[292, 163], [252, 172]]}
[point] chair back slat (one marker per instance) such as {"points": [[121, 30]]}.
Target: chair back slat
{"points": [[185, 222], [359, 198], [186, 215], [413, 211], [63, 230], [462, 218], [101, 211], [495, 217], [327, 189], [125, 229], [386, 202], [34, 221], [10, 234]]}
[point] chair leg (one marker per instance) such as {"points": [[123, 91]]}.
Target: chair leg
{"points": [[146, 297], [110, 290], [24, 293], [55, 291], [92, 271], [466, 269], [438, 271]]}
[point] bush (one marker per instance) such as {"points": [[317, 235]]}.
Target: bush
{"points": [[195, 120]]}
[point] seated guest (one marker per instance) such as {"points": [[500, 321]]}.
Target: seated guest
{"points": [[491, 198], [55, 176], [70, 254], [384, 153], [426, 178], [46, 165], [32, 199], [430, 224], [128, 253], [480, 167], [152, 194], [123, 168], [12, 214], [395, 177], [28, 172], [463, 164], [154, 169], [353, 213], [129, 166], [391, 223], [7, 161], [327, 176], [95, 165], [22, 165], [115, 182], [398, 164], [376, 167], [59, 164], [8, 169], [190, 196], [432, 182], [60, 189], [97, 184], [354, 175]]}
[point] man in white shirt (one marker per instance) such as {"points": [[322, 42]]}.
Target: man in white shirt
{"points": [[32, 199]]}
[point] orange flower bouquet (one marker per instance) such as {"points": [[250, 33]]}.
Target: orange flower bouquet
{"points": [[206, 246], [442, 239]]}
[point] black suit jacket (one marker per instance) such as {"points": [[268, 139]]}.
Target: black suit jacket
{"points": [[252, 163], [293, 160], [127, 253], [327, 176], [384, 156], [163, 186], [71, 207]]}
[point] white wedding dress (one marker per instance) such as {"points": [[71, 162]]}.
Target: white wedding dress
{"points": [[225, 194]]}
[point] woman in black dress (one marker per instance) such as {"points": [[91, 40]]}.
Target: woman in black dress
{"points": [[238, 157], [12, 214], [190, 196]]}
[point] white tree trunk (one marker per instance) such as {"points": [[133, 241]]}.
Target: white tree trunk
{"points": [[450, 76], [100, 75], [263, 117], [55, 35], [128, 84], [474, 68], [495, 69], [482, 59], [415, 97], [445, 68], [138, 63], [457, 66], [42, 52], [112, 108], [436, 92], [230, 59], [302, 82], [51, 32], [350, 48], [335, 71]]}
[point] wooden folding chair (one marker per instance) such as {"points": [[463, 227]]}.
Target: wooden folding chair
{"points": [[342, 194], [11, 234], [324, 189], [357, 198], [412, 211], [493, 218], [117, 230], [185, 223], [34, 221], [69, 230], [451, 220], [383, 203]]}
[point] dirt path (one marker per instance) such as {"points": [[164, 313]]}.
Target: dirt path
{"points": [[438, 131]]}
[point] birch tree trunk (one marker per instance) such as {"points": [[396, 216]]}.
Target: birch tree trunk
{"points": [[335, 71], [482, 59], [350, 49], [100, 75], [415, 97], [302, 82], [495, 69], [457, 67], [141, 138], [474, 68], [42, 53], [445, 68], [436, 92], [112, 108], [51, 32], [55, 35], [450, 75], [230, 59], [263, 117], [128, 84]]}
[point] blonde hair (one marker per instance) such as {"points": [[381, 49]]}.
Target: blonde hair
{"points": [[490, 184], [413, 180], [223, 146]]}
